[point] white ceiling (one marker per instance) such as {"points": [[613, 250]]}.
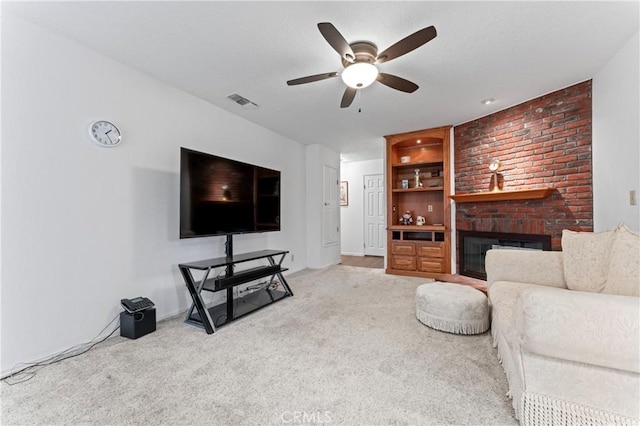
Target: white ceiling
{"points": [[510, 51]]}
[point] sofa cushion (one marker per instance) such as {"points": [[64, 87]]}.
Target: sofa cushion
{"points": [[525, 266], [624, 265], [586, 259], [596, 329]]}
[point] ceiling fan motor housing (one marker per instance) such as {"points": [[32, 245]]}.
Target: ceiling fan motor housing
{"points": [[365, 51]]}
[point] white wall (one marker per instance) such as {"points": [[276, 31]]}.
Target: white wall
{"points": [[616, 139], [319, 254], [352, 216], [84, 226]]}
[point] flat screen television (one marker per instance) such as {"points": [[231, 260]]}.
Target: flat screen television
{"points": [[219, 196]]}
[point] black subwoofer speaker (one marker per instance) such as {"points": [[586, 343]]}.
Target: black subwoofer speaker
{"points": [[137, 324]]}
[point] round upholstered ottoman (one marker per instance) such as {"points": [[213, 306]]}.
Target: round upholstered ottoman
{"points": [[453, 308]]}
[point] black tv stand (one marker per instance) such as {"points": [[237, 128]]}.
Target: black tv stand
{"points": [[232, 309]]}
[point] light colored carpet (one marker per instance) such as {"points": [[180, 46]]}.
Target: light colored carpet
{"points": [[346, 349]]}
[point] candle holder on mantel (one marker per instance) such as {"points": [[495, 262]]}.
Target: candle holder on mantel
{"points": [[494, 166]]}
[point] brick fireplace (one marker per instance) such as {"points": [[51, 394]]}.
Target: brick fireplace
{"points": [[542, 143]]}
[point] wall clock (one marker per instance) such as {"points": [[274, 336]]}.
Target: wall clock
{"points": [[494, 165], [105, 133]]}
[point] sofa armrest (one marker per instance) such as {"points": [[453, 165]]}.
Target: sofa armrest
{"points": [[591, 328], [525, 266]]}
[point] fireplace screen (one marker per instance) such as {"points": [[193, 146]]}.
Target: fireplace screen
{"points": [[474, 246]]}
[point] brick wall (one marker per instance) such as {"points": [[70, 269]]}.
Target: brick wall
{"points": [[545, 142]]}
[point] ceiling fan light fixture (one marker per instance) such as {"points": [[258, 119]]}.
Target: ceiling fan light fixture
{"points": [[359, 75]]}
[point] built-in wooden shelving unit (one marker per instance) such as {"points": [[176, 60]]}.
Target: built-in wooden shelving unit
{"points": [[418, 182]]}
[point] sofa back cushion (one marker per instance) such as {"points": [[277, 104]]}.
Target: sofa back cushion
{"points": [[624, 265], [586, 259]]}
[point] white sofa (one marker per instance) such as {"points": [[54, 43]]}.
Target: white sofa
{"points": [[566, 325]]}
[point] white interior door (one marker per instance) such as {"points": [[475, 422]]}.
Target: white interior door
{"points": [[374, 210], [330, 227]]}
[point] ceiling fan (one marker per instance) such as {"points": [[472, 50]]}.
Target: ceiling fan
{"points": [[359, 59]]}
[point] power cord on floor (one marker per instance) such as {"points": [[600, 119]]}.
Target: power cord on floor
{"points": [[23, 372]]}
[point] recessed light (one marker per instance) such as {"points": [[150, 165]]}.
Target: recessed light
{"points": [[487, 101], [418, 141]]}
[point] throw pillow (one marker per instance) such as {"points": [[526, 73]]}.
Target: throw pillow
{"points": [[586, 259], [624, 266]]}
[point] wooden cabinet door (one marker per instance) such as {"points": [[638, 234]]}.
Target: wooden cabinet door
{"points": [[431, 264], [431, 250], [406, 263], [403, 247]]}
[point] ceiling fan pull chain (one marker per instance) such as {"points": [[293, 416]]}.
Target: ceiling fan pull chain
{"points": [[358, 100]]}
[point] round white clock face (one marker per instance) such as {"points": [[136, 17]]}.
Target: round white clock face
{"points": [[105, 133], [494, 165]]}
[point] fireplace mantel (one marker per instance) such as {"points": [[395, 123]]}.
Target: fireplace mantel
{"points": [[518, 194]]}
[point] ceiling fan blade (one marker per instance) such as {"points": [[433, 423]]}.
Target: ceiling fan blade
{"points": [[312, 78], [348, 97], [397, 83], [337, 41], [408, 44]]}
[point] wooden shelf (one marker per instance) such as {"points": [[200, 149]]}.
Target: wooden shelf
{"points": [[423, 228], [418, 163], [426, 188], [519, 194]]}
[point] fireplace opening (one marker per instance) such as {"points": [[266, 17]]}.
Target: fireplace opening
{"points": [[473, 246]]}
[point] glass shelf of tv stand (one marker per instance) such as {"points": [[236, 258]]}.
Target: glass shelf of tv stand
{"points": [[235, 259]]}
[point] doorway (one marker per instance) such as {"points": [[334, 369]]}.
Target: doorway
{"points": [[375, 236], [330, 217]]}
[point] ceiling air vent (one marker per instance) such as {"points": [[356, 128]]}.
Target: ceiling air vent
{"points": [[243, 102]]}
